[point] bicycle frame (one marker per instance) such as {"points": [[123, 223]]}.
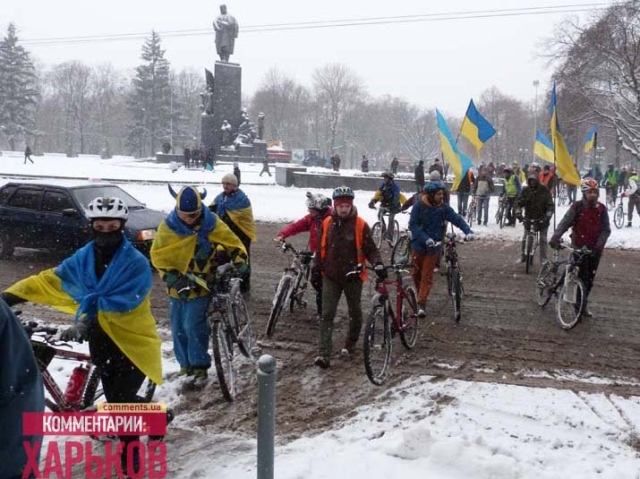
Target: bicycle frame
{"points": [[382, 296]]}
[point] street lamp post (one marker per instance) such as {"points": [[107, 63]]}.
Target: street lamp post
{"points": [[536, 83]]}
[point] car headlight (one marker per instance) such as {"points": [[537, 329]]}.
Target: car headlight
{"points": [[145, 235]]}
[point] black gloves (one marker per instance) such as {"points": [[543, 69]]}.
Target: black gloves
{"points": [[380, 271], [372, 204]]}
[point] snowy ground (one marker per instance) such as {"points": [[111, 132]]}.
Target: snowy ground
{"points": [[447, 429], [270, 202]]}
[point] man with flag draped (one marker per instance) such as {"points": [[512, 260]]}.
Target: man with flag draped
{"points": [[234, 208], [106, 285], [184, 252]]}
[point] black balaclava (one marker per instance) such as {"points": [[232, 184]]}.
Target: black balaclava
{"points": [[105, 246]]}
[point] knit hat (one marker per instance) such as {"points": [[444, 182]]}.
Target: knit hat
{"points": [[434, 175], [230, 178]]}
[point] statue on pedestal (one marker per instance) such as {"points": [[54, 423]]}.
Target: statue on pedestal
{"points": [[207, 95], [226, 28], [226, 133], [246, 131]]}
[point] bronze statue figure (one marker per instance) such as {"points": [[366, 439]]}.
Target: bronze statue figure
{"points": [[226, 28]]}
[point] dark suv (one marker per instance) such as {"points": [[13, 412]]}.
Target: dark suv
{"points": [[35, 215]]}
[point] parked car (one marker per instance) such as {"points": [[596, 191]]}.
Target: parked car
{"points": [[35, 215]]}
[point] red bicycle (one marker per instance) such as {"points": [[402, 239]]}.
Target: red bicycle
{"points": [[384, 322], [82, 389]]}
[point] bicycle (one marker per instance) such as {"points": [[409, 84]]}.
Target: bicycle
{"points": [[560, 278], [531, 242], [292, 285], [501, 213], [230, 325], [45, 348], [611, 202], [618, 214], [379, 230], [383, 323], [472, 211], [454, 275]]}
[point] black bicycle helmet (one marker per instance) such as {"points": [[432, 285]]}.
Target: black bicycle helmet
{"points": [[343, 192]]}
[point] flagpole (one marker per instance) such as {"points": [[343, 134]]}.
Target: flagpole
{"points": [[595, 154]]}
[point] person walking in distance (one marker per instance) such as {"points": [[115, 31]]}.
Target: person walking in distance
{"points": [[265, 167], [418, 175], [345, 244], [236, 171], [27, 155], [633, 193], [482, 188], [511, 191], [589, 221]]}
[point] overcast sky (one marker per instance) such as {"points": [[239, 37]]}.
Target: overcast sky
{"points": [[434, 64]]}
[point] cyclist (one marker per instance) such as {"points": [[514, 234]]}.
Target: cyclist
{"points": [[318, 207], [589, 221], [184, 251], [511, 191], [345, 243], [106, 284], [633, 193], [234, 208], [610, 182], [428, 217], [21, 390], [537, 203], [390, 197]]}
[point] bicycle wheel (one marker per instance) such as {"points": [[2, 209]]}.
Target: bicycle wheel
{"points": [[618, 217], [570, 303], [544, 283], [376, 234], [297, 293], [528, 258], [471, 215], [401, 253], [499, 215], [278, 303], [222, 342], [409, 326], [377, 345], [396, 232], [241, 322], [456, 294]]}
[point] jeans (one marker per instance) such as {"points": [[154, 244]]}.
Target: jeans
{"points": [[571, 191], [190, 331], [542, 247], [483, 205], [331, 293], [587, 273], [509, 210], [634, 202], [463, 202]]}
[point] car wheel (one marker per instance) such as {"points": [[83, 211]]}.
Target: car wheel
{"points": [[6, 247]]}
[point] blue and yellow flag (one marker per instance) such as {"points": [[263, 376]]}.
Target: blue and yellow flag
{"points": [[475, 127], [563, 161], [459, 162], [591, 139], [543, 148]]}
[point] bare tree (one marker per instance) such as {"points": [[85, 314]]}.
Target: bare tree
{"points": [[337, 89], [108, 108], [186, 87], [419, 133], [71, 86]]}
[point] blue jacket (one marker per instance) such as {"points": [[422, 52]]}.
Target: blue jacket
{"points": [[21, 390], [427, 221]]}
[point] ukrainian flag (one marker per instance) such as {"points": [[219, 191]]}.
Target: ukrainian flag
{"points": [[543, 148], [237, 208], [475, 127], [563, 161], [459, 162], [591, 139]]}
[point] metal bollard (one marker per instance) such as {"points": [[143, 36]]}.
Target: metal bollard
{"points": [[266, 415]]}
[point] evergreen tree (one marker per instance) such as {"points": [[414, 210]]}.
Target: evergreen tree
{"points": [[150, 100], [18, 89]]}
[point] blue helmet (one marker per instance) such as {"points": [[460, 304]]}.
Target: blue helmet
{"points": [[433, 186]]}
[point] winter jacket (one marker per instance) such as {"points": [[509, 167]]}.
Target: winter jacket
{"points": [[21, 390], [512, 186], [483, 185], [419, 175], [536, 202], [610, 178], [466, 182], [427, 221], [547, 179], [389, 196], [236, 172], [340, 256], [633, 186], [312, 224], [590, 226], [437, 167]]}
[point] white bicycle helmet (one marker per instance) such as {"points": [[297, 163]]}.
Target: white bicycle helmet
{"points": [[107, 208]]}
